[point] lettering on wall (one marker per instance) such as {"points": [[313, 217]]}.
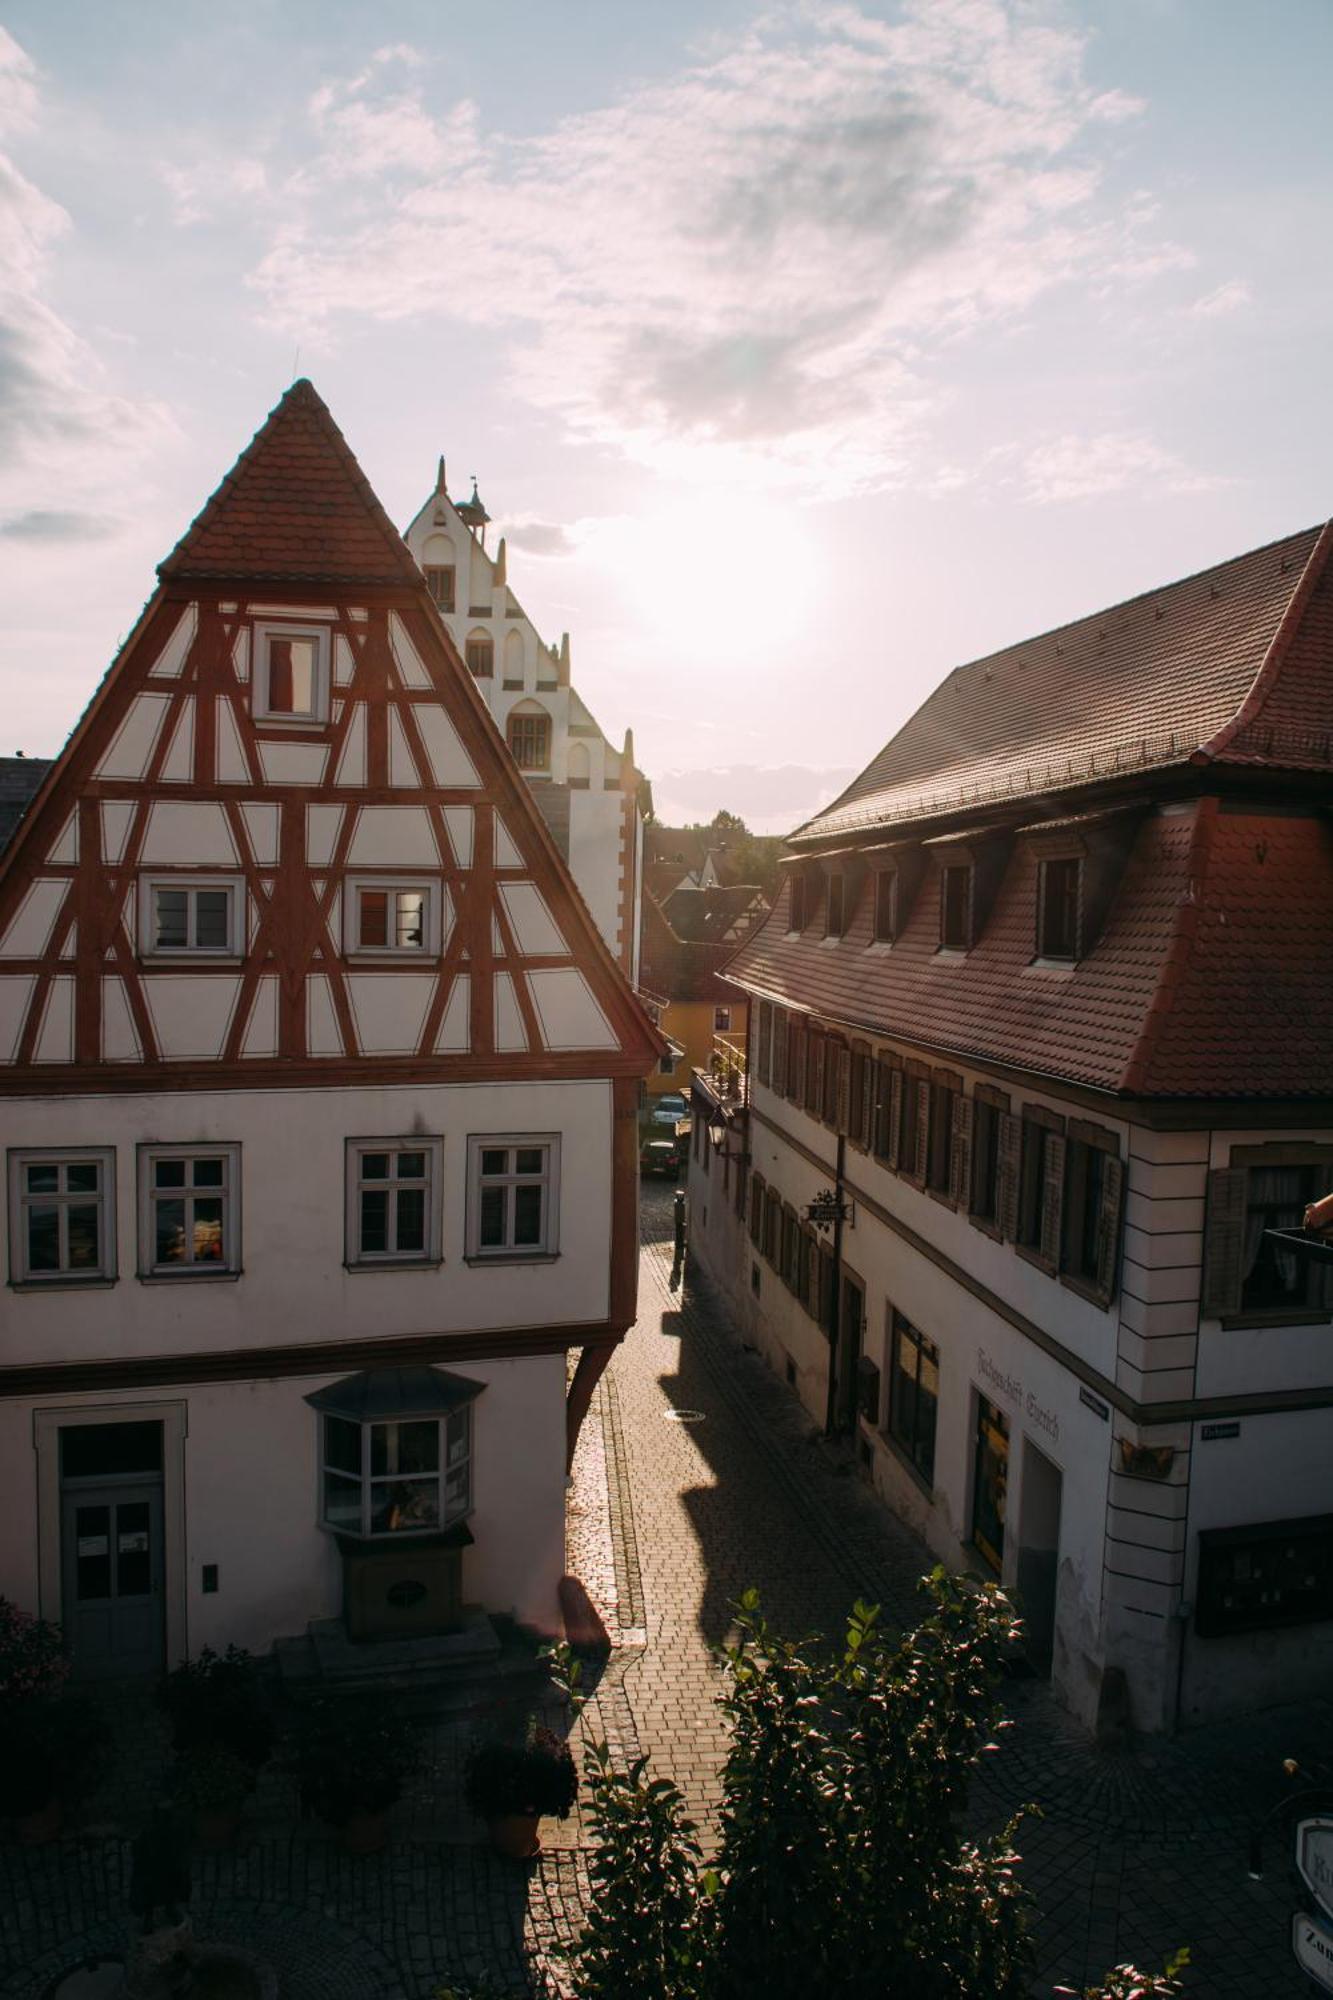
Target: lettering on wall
{"points": [[1011, 1388]]}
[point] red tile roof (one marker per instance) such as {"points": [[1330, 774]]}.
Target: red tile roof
{"points": [[1235, 663], [295, 507], [1212, 976], [677, 968]]}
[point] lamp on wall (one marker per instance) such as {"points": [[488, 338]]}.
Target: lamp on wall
{"points": [[717, 1133]]}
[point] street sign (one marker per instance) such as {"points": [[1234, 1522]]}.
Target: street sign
{"points": [[1312, 1943], [1314, 1860]]}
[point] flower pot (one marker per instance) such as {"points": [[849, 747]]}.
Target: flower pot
{"points": [[516, 1835], [216, 1826], [366, 1833], [35, 1829]]}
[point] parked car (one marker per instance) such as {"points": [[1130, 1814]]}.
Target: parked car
{"points": [[669, 1109], [661, 1156]]}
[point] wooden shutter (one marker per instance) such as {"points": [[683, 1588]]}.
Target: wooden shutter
{"points": [[921, 1150], [1224, 1241], [1052, 1199], [960, 1153], [1108, 1226], [757, 1190], [842, 1107], [765, 1040], [856, 1110], [816, 1051], [867, 1099], [780, 1025], [1010, 1152], [894, 1148], [772, 1219], [798, 1055]]}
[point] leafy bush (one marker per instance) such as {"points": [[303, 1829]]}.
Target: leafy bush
{"points": [[219, 1699], [209, 1778], [350, 1754], [33, 1661], [50, 1748], [535, 1776]]}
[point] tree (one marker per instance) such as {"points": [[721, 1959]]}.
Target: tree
{"points": [[727, 822], [841, 1867]]}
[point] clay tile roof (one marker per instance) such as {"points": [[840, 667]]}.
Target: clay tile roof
{"points": [[1233, 663], [295, 507]]}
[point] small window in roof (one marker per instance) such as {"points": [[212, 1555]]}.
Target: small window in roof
{"points": [[1059, 881], [835, 905], [796, 916], [956, 907], [886, 906]]}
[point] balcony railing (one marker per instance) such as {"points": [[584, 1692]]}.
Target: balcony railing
{"points": [[726, 1068]]}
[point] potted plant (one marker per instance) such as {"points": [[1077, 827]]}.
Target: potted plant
{"points": [[215, 1784], [510, 1786], [350, 1756], [50, 1753], [219, 1698]]}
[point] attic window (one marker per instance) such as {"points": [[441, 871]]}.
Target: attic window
{"points": [[796, 916], [440, 584], [835, 906], [886, 906], [956, 907], [1059, 886], [291, 674]]}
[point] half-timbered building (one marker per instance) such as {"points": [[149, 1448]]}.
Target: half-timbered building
{"points": [[1040, 1083], [319, 1092]]}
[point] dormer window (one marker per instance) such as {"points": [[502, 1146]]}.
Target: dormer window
{"points": [[797, 913], [1059, 886], [291, 682], [440, 584], [886, 906], [835, 906], [956, 907]]}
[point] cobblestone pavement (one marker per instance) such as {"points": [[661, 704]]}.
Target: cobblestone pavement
{"points": [[697, 1475]]}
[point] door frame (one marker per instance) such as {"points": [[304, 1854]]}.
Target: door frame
{"points": [[47, 1425]]}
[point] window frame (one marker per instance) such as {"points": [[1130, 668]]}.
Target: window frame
{"points": [[317, 716], [1225, 1301], [886, 890], [368, 1480], [394, 885], [989, 1104], [798, 904], [21, 1274], [509, 1252], [1083, 1143], [1047, 951], [355, 1257], [969, 870], [538, 718], [721, 1026], [443, 599], [477, 641], [1039, 1232], [229, 1191], [907, 1448], [191, 881], [835, 921]]}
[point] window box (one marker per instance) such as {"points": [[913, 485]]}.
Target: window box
{"points": [[189, 1211], [393, 1202], [513, 1196], [191, 916], [398, 918], [290, 687], [62, 1216]]}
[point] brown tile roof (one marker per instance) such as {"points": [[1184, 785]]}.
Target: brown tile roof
{"points": [[1212, 976], [1234, 663], [681, 969], [295, 507], [711, 916]]}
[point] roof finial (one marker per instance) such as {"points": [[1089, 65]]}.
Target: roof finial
{"points": [[439, 477], [500, 574], [564, 659]]}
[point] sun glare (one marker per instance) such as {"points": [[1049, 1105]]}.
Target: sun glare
{"points": [[703, 577]]}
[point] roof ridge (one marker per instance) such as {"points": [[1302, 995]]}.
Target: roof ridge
{"points": [[1134, 1078], [1270, 667]]}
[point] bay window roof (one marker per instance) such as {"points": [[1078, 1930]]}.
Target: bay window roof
{"points": [[395, 1392]]}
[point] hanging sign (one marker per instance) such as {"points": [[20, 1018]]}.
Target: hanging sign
{"points": [[1314, 1860], [1312, 1943]]}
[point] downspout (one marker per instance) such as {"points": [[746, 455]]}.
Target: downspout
{"points": [[835, 1301]]}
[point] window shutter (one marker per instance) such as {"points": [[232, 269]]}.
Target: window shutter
{"points": [[867, 1099], [765, 1040], [798, 1052], [843, 1108], [1010, 1150], [814, 1072], [1108, 1226], [893, 1148], [918, 1167], [1224, 1241], [780, 1026], [960, 1153], [1052, 1199], [756, 1209]]}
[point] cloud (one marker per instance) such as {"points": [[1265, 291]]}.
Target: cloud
{"points": [[746, 270], [770, 798], [1231, 297], [53, 524], [538, 538], [1091, 468]]}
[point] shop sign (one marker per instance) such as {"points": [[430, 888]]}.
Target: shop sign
{"points": [[1007, 1386], [1312, 1943], [1209, 1433], [1314, 1860], [1095, 1404]]}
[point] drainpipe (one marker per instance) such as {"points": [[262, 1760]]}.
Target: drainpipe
{"points": [[835, 1302]]}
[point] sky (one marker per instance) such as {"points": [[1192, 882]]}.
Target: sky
{"points": [[801, 351]]}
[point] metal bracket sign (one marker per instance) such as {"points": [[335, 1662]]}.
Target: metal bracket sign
{"points": [[1312, 1943], [827, 1208], [1314, 1859]]}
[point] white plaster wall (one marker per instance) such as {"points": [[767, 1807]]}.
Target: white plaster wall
{"points": [[595, 857], [294, 1285]]}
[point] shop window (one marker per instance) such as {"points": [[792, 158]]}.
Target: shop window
{"points": [[393, 1199], [1059, 885], [914, 1392], [62, 1216], [990, 1487], [956, 907], [189, 1211]]}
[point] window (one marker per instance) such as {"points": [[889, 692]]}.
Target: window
{"points": [[530, 740], [886, 906], [1041, 1187], [796, 915], [956, 907], [407, 1475], [914, 1394], [1094, 1179], [722, 1020], [990, 1489], [835, 905], [1058, 884], [758, 1195], [989, 1113], [440, 584], [399, 918], [513, 1196], [480, 654], [62, 1216], [189, 1211], [1259, 1578], [291, 681], [198, 915], [939, 1145], [393, 1198]]}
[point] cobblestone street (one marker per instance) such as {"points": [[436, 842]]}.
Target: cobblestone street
{"points": [[697, 1475]]}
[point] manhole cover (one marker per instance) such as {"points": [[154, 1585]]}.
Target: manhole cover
{"points": [[684, 1416]]}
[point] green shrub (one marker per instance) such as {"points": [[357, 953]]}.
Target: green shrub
{"points": [[219, 1698], [535, 1776], [350, 1754]]}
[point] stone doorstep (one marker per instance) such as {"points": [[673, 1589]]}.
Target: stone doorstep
{"points": [[326, 1654]]}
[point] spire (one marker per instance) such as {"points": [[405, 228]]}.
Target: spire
{"points": [[500, 575], [440, 486], [564, 659]]}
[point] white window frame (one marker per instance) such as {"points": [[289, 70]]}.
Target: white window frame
{"points": [[721, 1027], [361, 1259], [313, 718], [230, 1263], [104, 1159], [369, 1481], [150, 884], [415, 885], [510, 1252]]}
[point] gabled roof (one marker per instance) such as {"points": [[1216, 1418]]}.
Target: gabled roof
{"points": [[295, 507], [681, 968], [1232, 664]]}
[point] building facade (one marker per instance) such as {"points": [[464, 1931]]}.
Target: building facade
{"points": [[587, 791], [1044, 1014], [306, 1041]]}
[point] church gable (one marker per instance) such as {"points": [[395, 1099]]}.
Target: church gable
{"points": [[287, 831]]}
